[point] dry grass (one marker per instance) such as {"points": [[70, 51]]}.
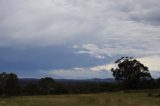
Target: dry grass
{"points": [[106, 99]]}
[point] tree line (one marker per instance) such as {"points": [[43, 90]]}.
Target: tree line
{"points": [[129, 74]]}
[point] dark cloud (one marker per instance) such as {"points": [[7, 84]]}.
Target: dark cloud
{"points": [[152, 17], [33, 32], [143, 11], [35, 59]]}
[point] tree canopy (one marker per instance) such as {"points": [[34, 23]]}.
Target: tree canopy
{"points": [[130, 72], [9, 84]]}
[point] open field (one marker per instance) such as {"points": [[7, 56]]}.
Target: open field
{"points": [[105, 99]]}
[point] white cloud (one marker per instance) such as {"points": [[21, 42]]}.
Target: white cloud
{"points": [[92, 50], [101, 52], [52, 22], [100, 71], [153, 62], [106, 67]]}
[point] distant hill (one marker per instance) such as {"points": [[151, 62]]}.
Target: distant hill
{"points": [[85, 80], [25, 81]]}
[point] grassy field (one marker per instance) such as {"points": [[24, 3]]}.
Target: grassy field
{"points": [[105, 99]]}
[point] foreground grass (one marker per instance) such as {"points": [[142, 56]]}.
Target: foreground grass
{"points": [[105, 99]]}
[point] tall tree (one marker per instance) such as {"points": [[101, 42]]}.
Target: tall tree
{"points": [[12, 86], [2, 83], [9, 84], [130, 72]]}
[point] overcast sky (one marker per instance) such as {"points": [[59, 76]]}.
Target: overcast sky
{"points": [[77, 39]]}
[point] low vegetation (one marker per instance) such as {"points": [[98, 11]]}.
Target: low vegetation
{"points": [[104, 99]]}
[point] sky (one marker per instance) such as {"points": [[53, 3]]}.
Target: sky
{"points": [[77, 39]]}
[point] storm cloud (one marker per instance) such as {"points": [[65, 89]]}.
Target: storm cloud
{"points": [[64, 34]]}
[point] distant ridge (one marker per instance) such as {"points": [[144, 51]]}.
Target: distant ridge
{"points": [[25, 81]]}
